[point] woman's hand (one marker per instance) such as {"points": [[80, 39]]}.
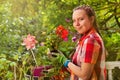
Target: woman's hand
{"points": [[59, 58]]}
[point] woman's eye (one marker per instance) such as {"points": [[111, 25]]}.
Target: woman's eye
{"points": [[81, 19]]}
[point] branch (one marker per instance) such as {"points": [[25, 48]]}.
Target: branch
{"points": [[114, 3], [106, 20], [116, 18]]}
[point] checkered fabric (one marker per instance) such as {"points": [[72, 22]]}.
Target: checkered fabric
{"points": [[90, 49]]}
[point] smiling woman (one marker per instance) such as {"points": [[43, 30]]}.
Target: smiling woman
{"points": [[88, 61]]}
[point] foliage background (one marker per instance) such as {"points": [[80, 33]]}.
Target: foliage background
{"points": [[40, 17]]}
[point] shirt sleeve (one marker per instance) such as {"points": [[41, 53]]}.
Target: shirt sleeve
{"points": [[91, 50]]}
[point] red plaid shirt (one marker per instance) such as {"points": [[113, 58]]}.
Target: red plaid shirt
{"points": [[91, 50]]}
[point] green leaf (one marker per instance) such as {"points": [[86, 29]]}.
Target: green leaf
{"points": [[13, 64]]}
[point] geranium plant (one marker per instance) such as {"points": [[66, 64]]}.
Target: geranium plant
{"points": [[58, 41]]}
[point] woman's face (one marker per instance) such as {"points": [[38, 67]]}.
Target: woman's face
{"points": [[81, 22]]}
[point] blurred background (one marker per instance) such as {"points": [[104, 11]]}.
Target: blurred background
{"points": [[19, 18]]}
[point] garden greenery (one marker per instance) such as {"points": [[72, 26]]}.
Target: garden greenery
{"points": [[18, 18]]}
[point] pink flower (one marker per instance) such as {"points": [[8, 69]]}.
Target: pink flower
{"points": [[74, 39], [42, 44], [67, 20], [29, 42], [65, 39]]}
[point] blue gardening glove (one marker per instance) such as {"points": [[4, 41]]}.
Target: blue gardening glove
{"points": [[60, 58]]}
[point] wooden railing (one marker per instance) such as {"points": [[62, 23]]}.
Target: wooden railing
{"points": [[110, 65]]}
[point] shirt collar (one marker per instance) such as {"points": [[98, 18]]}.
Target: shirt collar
{"points": [[92, 30]]}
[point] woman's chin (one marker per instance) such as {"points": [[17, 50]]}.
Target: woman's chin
{"points": [[80, 32]]}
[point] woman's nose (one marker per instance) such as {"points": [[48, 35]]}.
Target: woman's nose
{"points": [[77, 23]]}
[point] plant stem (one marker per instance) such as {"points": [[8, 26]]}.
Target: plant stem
{"points": [[20, 74], [34, 57], [14, 72]]}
